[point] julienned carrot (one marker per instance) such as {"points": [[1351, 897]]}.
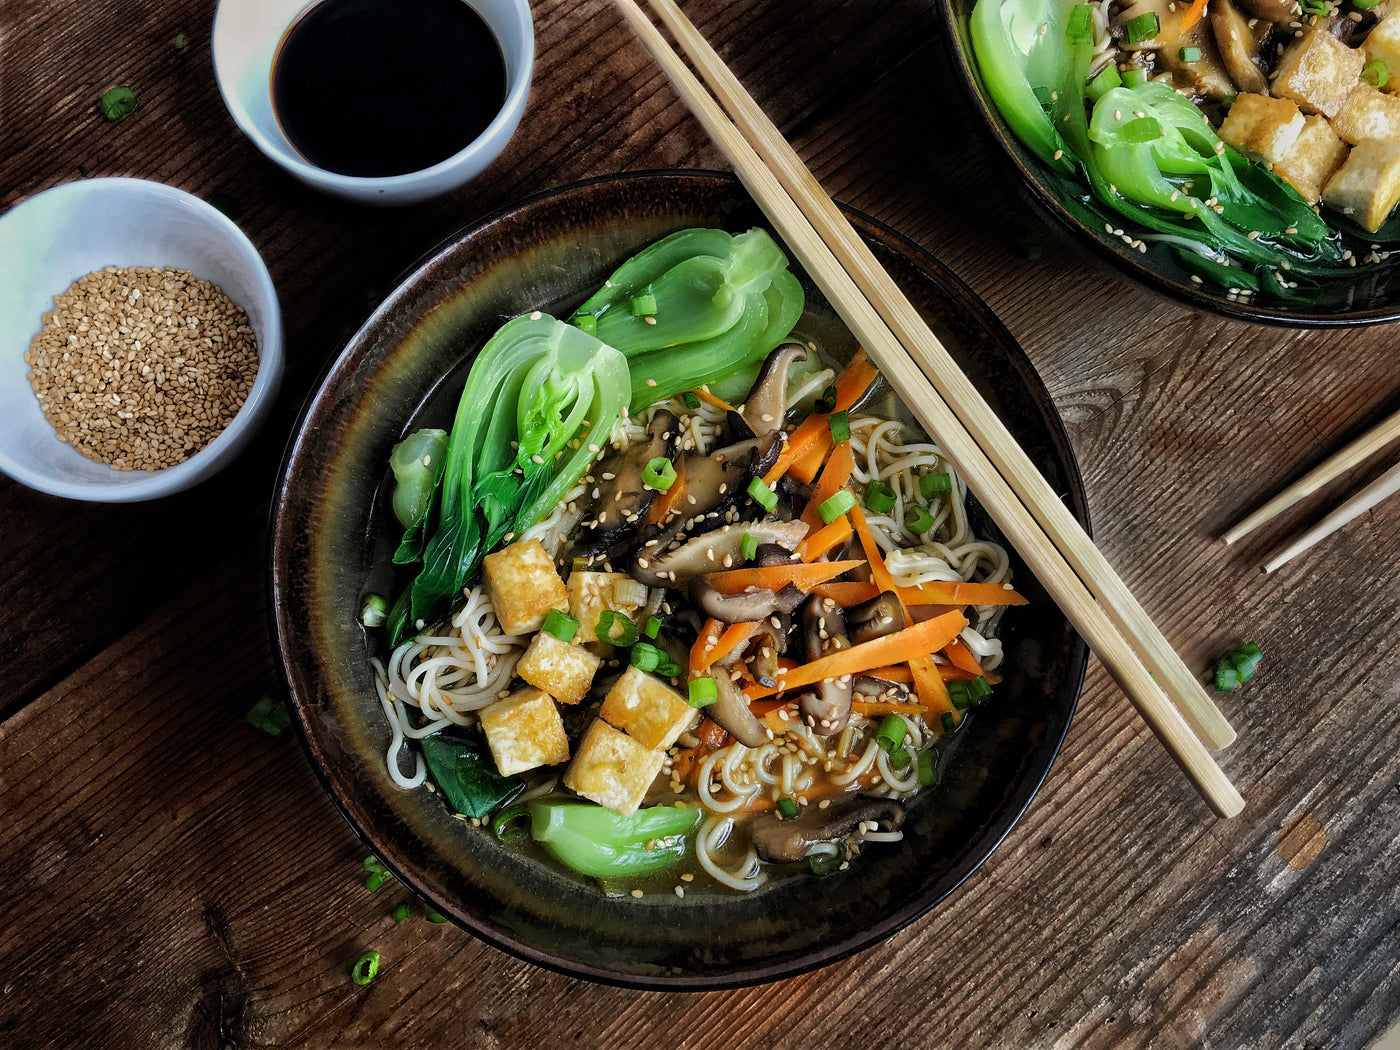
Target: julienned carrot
{"points": [[892, 673], [814, 431], [666, 502], [704, 395], [855, 380], [809, 461], [776, 577], [824, 539], [960, 657], [1193, 15], [703, 655], [799, 442], [883, 579], [887, 707], [926, 637], [936, 593], [835, 475], [928, 684]]}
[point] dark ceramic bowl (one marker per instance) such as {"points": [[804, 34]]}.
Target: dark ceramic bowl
{"points": [[406, 364], [1369, 295]]}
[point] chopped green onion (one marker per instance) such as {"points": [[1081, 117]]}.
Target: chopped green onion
{"points": [[931, 485], [561, 625], [644, 306], [652, 627], [586, 323], [366, 966], [787, 808], [669, 669], [692, 401], [840, 424], [840, 503], [117, 104], [1313, 7], [1364, 5], [703, 692], [433, 915], [1189, 54], [899, 758], [1143, 27], [1080, 29], [179, 41], [374, 610], [948, 722], [660, 474], [918, 520], [1238, 667], [1106, 81], [966, 694], [879, 497], [748, 547], [647, 657], [611, 618], [827, 402], [1226, 677], [270, 716], [928, 768], [508, 824], [826, 863], [1134, 77], [1376, 73], [376, 880], [764, 496], [893, 729], [402, 912]]}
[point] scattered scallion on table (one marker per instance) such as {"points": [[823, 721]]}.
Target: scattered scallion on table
{"points": [[365, 968], [269, 715], [1237, 667], [402, 912], [117, 104], [374, 610]]}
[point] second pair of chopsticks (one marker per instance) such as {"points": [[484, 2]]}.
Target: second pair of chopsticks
{"points": [[1360, 450], [974, 440]]}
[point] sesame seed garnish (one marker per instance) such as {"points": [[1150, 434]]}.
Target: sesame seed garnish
{"points": [[651, 382]]}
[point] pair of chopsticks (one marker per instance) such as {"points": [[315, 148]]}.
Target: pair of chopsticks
{"points": [[973, 439], [1360, 450]]}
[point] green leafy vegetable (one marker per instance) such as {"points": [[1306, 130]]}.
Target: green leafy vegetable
{"points": [[598, 842], [463, 768], [417, 463]]}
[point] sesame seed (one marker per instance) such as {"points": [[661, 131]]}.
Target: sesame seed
{"points": [[636, 893], [651, 382], [536, 315]]}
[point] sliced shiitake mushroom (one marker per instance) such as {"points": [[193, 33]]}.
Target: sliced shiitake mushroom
{"points": [[731, 712], [828, 707], [622, 497], [876, 618], [786, 841], [744, 607], [763, 410], [1239, 47], [706, 552]]}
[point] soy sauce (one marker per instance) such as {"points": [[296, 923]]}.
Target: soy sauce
{"points": [[386, 87]]}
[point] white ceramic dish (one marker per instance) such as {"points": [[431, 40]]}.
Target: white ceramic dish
{"points": [[50, 240], [245, 40]]}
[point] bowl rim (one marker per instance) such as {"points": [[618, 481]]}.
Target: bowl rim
{"points": [[485, 144], [225, 446], [993, 127], [354, 814]]}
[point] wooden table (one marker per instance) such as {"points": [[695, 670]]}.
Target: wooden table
{"points": [[174, 878]]}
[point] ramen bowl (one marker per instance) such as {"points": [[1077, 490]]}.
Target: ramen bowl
{"points": [[330, 548]]}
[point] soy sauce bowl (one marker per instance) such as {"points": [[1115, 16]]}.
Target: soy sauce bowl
{"points": [[246, 36]]}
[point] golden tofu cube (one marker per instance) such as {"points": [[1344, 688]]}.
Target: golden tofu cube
{"points": [[1313, 159], [1369, 114], [525, 731], [523, 586], [592, 592], [1262, 128], [612, 769], [1383, 45], [1367, 186], [561, 669], [647, 709], [1318, 72]]}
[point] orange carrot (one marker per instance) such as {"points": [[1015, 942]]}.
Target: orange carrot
{"points": [[1193, 15], [928, 684], [936, 593], [834, 477], [666, 502], [855, 380], [809, 461], [926, 637], [824, 539], [776, 577], [704, 395], [959, 656], [704, 655], [814, 432], [892, 673], [887, 707], [883, 579]]}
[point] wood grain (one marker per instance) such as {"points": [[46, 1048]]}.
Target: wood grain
{"points": [[179, 880]]}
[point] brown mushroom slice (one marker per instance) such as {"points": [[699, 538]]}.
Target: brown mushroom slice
{"points": [[1282, 11], [763, 410], [872, 688], [876, 618], [730, 712], [1239, 47], [1203, 76], [716, 482], [827, 708], [706, 552], [762, 656], [744, 607], [623, 498], [786, 841]]}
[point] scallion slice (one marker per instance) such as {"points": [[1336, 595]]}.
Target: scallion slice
{"points": [[1080, 28], [610, 620], [1376, 73], [1238, 667], [660, 474], [652, 627], [948, 722], [561, 625], [691, 400], [365, 968], [899, 758], [644, 306], [840, 503], [762, 494], [827, 402], [270, 716], [512, 824], [966, 694], [117, 103], [646, 657], [703, 692], [918, 520], [1143, 27], [433, 915], [1189, 54], [931, 485], [826, 863], [402, 912], [748, 547], [1106, 81], [787, 808], [840, 424], [1134, 77], [893, 729], [1364, 5], [879, 497], [928, 768]]}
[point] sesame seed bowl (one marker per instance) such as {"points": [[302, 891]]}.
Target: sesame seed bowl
{"points": [[140, 340]]}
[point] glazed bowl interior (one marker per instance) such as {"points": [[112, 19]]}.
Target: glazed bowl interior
{"points": [[1368, 294], [403, 369]]}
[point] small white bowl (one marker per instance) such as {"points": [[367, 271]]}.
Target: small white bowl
{"points": [[50, 240], [246, 36]]}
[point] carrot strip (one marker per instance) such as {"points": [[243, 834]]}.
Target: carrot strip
{"points": [[960, 657], [883, 579], [932, 693], [735, 635], [709, 638], [856, 377], [665, 502], [824, 539], [926, 637], [835, 475], [704, 395], [776, 577], [892, 673], [936, 593], [1193, 15], [809, 461], [887, 707], [814, 431]]}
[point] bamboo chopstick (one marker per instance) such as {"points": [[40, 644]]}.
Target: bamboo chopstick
{"points": [[1363, 448], [1360, 502], [974, 413], [927, 403]]}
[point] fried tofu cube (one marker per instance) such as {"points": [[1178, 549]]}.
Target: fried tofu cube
{"points": [[592, 592], [561, 669], [612, 769], [1383, 45], [1369, 114], [1262, 128], [523, 586], [647, 709], [525, 731], [1313, 159], [1367, 186], [1318, 72]]}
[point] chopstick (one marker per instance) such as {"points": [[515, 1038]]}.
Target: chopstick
{"points": [[1360, 450], [1360, 502], [832, 264]]}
